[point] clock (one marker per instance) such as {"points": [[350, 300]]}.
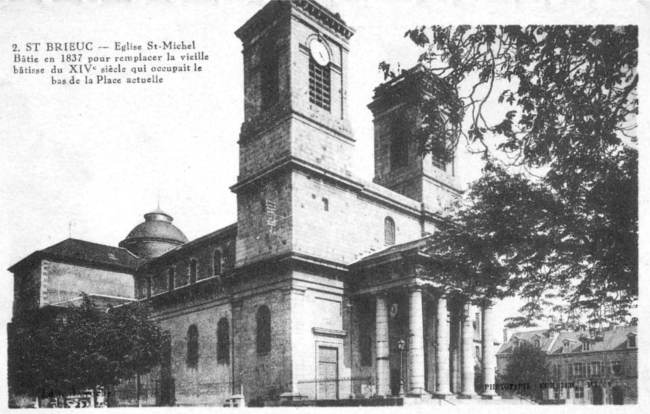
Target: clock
{"points": [[319, 52]]}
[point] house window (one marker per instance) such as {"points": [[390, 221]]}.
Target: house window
{"points": [[399, 144], [366, 351], [326, 204], [537, 342], [579, 393], [616, 368], [577, 370], [631, 341], [216, 262], [319, 84], [389, 231], [269, 76], [586, 346], [223, 341], [263, 338], [595, 369], [192, 347], [557, 393], [149, 282], [171, 273], [566, 347], [193, 270]]}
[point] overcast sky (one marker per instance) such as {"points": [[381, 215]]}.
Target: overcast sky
{"points": [[95, 158]]}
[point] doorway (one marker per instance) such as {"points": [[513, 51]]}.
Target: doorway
{"points": [[328, 373], [617, 396], [597, 396]]}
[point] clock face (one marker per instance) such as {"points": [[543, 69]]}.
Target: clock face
{"points": [[319, 52]]}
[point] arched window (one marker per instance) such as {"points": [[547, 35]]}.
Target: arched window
{"points": [[192, 347], [389, 231], [223, 341], [216, 263], [193, 270], [170, 278], [263, 339]]}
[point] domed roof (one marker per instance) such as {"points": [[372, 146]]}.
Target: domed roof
{"points": [[157, 225], [158, 229]]}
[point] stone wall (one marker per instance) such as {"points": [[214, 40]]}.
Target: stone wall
{"points": [[351, 227], [28, 289], [62, 282]]}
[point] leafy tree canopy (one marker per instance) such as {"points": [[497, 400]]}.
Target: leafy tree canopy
{"points": [[555, 214], [527, 365], [81, 348]]}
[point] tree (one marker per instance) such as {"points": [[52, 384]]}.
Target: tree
{"points": [[555, 214], [527, 365], [82, 347]]}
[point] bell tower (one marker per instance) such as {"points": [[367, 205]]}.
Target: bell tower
{"points": [[295, 87], [399, 165]]}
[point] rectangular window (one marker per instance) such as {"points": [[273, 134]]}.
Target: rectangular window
{"points": [[193, 270], [579, 392], [595, 369], [631, 341], [170, 279], [326, 204], [557, 393], [616, 368], [319, 84]]}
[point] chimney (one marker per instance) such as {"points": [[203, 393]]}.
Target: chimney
{"points": [[505, 335]]}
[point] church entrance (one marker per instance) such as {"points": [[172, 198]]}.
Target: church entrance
{"points": [[328, 373]]}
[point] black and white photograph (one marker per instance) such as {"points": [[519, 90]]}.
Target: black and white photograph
{"points": [[342, 204]]}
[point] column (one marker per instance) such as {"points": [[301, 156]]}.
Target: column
{"points": [[489, 358], [442, 348], [467, 356], [381, 334], [416, 343]]}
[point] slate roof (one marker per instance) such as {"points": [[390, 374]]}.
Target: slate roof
{"points": [[389, 252], [80, 251], [614, 338]]}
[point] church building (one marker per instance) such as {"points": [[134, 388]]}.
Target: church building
{"points": [[320, 290]]}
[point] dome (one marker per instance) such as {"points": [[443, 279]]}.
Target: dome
{"points": [[154, 237]]}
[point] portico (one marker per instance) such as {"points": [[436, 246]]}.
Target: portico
{"points": [[412, 307]]}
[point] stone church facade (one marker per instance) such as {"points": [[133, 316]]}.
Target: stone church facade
{"points": [[317, 291]]}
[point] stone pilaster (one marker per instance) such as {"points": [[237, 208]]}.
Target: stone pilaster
{"points": [[442, 348], [382, 364], [416, 343], [467, 355], [489, 358]]}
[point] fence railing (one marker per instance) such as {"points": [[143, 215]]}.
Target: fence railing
{"points": [[337, 388]]}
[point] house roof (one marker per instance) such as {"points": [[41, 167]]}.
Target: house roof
{"points": [[552, 342], [83, 252]]}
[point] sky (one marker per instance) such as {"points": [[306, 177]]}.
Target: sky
{"points": [[90, 160]]}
